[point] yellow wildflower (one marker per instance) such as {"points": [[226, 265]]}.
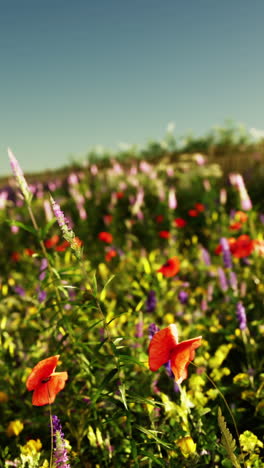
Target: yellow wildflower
{"points": [[187, 446], [31, 447], [14, 428]]}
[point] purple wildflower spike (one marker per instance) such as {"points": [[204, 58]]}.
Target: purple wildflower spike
{"points": [[222, 279], [206, 256], [241, 315], [67, 232], [60, 455], [18, 173], [172, 200], [152, 329], [183, 297], [227, 259], [151, 301]]}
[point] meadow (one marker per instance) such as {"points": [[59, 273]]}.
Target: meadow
{"points": [[101, 266]]}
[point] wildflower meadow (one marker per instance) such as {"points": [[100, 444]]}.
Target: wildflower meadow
{"points": [[131, 312]]}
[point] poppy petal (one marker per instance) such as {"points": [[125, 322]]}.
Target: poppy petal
{"points": [[181, 357], [161, 346], [170, 268], [46, 392], [41, 371]]}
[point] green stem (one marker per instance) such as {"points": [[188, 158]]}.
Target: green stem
{"points": [[51, 438]]}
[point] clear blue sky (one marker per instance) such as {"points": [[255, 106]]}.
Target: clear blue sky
{"points": [[77, 73]]}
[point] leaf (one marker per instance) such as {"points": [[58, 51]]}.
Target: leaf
{"points": [[122, 390], [108, 281], [13, 222], [152, 435], [115, 317], [44, 231], [227, 440], [127, 359], [94, 284], [148, 455], [105, 381]]}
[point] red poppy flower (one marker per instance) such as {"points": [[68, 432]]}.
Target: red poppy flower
{"points": [[164, 347], [62, 247], [108, 219], [49, 243], [243, 246], [15, 256], [109, 255], [119, 195], [164, 234], [46, 383], [105, 237], [159, 218], [235, 226], [193, 213], [231, 242], [170, 268], [29, 252], [199, 207], [179, 222]]}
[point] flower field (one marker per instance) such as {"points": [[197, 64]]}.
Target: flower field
{"points": [[131, 317]]}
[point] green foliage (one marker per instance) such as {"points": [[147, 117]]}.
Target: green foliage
{"points": [[227, 440]]}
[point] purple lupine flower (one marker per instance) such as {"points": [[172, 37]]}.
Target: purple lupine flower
{"points": [[48, 210], [227, 259], [72, 179], [19, 290], [60, 456], [67, 232], [43, 269], [172, 201], [237, 181], [17, 171], [152, 329], [139, 329], [3, 199], [183, 297], [222, 279], [42, 295], [206, 256], [62, 220], [145, 167], [151, 301], [241, 315]]}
